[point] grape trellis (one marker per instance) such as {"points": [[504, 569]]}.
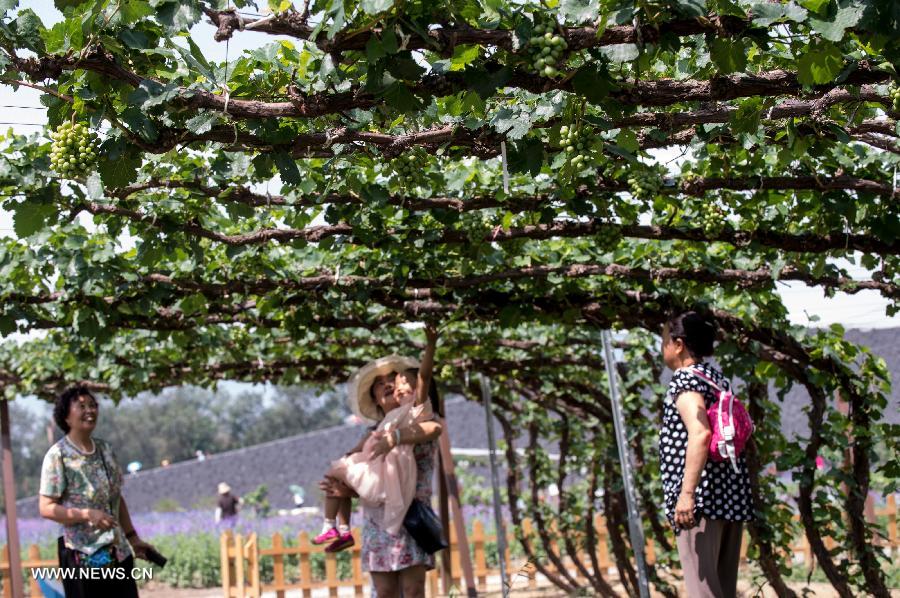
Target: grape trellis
{"points": [[527, 173]]}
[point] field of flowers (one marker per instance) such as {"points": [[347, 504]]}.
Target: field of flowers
{"points": [[190, 539]]}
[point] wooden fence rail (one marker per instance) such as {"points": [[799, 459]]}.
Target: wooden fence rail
{"points": [[293, 566], [33, 561]]}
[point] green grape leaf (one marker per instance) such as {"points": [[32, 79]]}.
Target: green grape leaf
{"points": [[821, 63], [729, 55], [287, 168]]}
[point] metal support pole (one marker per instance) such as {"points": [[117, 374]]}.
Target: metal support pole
{"points": [[495, 480], [635, 530], [16, 580]]}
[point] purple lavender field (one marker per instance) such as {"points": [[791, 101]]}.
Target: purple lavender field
{"points": [[183, 523], [192, 523]]}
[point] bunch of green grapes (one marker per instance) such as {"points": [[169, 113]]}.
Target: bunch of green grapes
{"points": [[894, 93], [410, 168], [712, 219], [573, 141], [545, 50], [73, 152], [644, 184]]}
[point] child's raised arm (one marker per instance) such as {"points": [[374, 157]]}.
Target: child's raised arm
{"points": [[426, 367]]}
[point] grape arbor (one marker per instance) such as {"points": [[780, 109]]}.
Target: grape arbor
{"points": [[526, 173]]}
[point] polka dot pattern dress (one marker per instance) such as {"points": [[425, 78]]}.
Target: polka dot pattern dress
{"points": [[722, 493]]}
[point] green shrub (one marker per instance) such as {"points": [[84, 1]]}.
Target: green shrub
{"points": [[194, 561], [167, 505], [258, 500], [207, 503]]}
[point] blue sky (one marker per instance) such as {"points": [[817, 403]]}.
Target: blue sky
{"points": [[862, 310]]}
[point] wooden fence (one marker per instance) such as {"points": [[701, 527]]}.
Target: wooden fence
{"points": [[33, 561], [293, 566], [241, 576]]}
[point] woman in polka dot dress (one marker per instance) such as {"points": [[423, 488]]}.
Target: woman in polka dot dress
{"points": [[706, 501]]}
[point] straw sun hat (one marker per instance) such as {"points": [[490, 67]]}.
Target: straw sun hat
{"points": [[224, 488], [359, 386]]}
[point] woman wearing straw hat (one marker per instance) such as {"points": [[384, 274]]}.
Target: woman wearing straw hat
{"points": [[226, 506], [395, 561]]}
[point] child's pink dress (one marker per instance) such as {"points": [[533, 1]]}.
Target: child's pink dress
{"points": [[389, 480]]}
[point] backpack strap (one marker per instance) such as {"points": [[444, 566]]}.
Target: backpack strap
{"points": [[705, 378], [726, 445]]}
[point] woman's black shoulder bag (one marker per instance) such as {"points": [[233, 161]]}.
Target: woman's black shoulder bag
{"points": [[424, 526]]}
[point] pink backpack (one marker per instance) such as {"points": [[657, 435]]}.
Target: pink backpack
{"points": [[730, 424]]}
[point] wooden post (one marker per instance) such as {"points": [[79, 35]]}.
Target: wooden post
{"points": [[465, 558], [239, 565], [251, 550], [454, 557], [278, 565], [34, 556], [305, 566], [4, 566], [602, 546], [892, 523], [478, 540], [356, 564], [224, 546], [431, 588], [15, 580], [331, 574], [651, 552]]}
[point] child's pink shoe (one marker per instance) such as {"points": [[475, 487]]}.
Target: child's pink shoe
{"points": [[329, 536], [343, 542]]}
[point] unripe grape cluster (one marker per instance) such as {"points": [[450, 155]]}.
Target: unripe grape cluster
{"points": [[410, 168], [73, 152], [572, 141], [894, 93], [644, 185], [712, 219], [545, 50]]}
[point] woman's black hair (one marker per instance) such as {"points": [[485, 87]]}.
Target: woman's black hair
{"points": [[64, 403], [697, 332]]}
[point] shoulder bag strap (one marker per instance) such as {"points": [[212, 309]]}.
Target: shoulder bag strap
{"points": [[109, 483]]}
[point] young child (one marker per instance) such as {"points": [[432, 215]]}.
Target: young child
{"points": [[386, 479]]}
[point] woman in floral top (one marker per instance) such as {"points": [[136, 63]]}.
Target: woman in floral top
{"points": [[81, 489], [396, 562]]}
